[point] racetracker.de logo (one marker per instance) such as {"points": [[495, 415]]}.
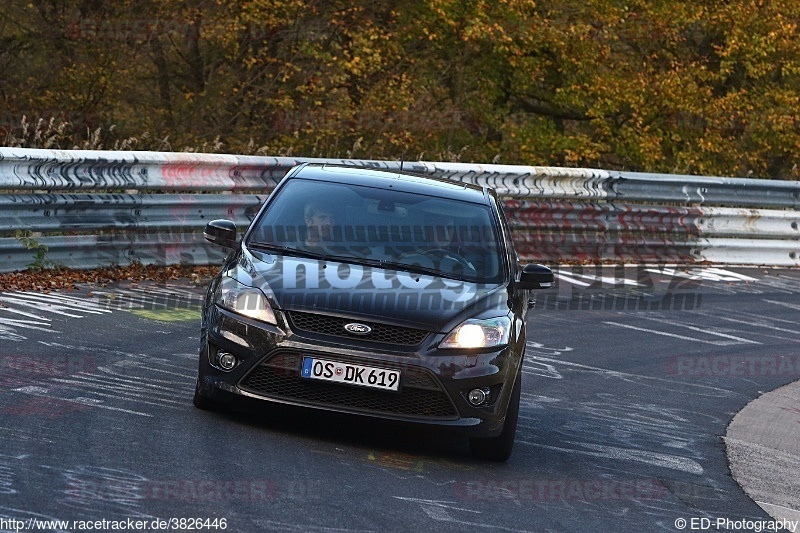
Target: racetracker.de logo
{"points": [[745, 366]]}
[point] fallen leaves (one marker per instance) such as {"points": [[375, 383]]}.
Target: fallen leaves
{"points": [[52, 279]]}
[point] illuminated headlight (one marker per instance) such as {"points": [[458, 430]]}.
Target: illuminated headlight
{"points": [[474, 333], [244, 300]]}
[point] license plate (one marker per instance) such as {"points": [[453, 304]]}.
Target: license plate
{"points": [[338, 372]]}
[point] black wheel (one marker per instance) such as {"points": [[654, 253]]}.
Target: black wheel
{"points": [[444, 253], [203, 402], [499, 448]]}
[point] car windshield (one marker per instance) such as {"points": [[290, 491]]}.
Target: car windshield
{"points": [[382, 227]]}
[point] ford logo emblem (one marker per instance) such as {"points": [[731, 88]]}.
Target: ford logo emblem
{"points": [[357, 329]]}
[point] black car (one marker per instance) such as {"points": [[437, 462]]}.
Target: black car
{"points": [[373, 293]]}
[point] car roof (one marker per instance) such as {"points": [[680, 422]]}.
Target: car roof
{"points": [[388, 179]]}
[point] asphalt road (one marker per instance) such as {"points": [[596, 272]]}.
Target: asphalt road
{"points": [[631, 379]]}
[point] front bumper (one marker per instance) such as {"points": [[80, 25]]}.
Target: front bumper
{"points": [[433, 385]]}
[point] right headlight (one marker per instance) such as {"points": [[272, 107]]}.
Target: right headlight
{"points": [[244, 300], [475, 333]]}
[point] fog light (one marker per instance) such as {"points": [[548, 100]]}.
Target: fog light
{"points": [[226, 361], [478, 396]]}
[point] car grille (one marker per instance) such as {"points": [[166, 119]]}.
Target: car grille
{"points": [[420, 394], [331, 325]]}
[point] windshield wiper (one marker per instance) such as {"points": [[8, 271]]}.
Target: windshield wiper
{"points": [[317, 255], [418, 269], [364, 261], [288, 250]]}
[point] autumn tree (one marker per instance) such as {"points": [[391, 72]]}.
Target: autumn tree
{"points": [[689, 87]]}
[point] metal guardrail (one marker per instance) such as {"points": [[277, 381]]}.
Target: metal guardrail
{"points": [[86, 209]]}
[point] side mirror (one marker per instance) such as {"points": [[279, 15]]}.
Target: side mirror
{"points": [[535, 277], [221, 232]]}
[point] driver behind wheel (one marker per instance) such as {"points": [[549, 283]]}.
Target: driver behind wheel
{"points": [[445, 244]]}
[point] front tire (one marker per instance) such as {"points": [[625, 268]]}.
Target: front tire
{"points": [[499, 448], [204, 402]]}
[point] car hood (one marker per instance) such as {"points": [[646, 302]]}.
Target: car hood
{"points": [[372, 294]]}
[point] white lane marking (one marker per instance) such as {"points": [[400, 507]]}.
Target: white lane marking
{"points": [[699, 329], [29, 324], [440, 511], [40, 392], [605, 280], [560, 275], [796, 307], [177, 374], [673, 462], [110, 378], [33, 305], [154, 391], [762, 325], [85, 305], [137, 386], [7, 334], [41, 306], [118, 370], [684, 337], [540, 369], [23, 313], [441, 504], [120, 394], [726, 275], [766, 318], [625, 375], [142, 297], [702, 274]]}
